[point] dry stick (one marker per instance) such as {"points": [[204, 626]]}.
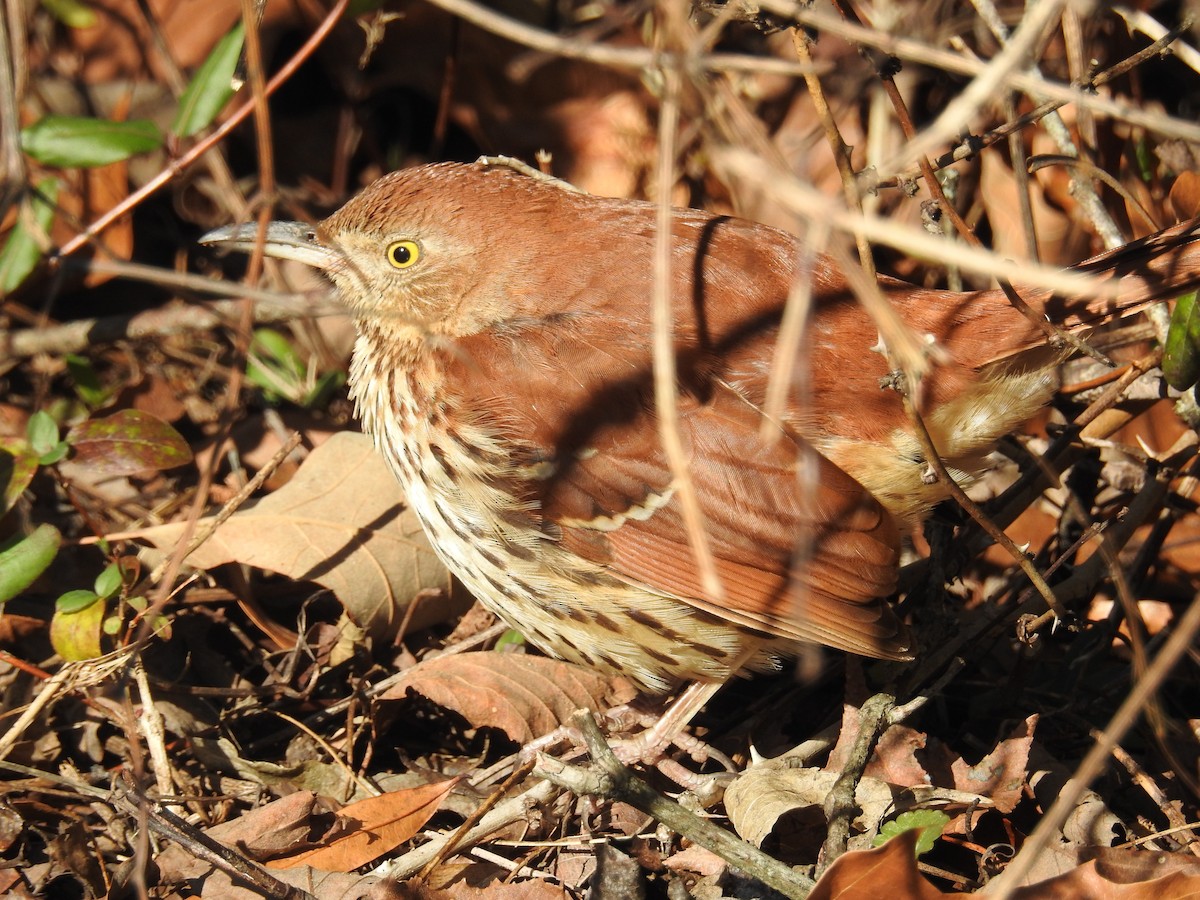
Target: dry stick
{"points": [[841, 152], [165, 823], [811, 204], [505, 814], [665, 374], [1176, 646], [638, 58], [258, 102], [1043, 160], [1016, 152], [217, 167], [1084, 193], [72, 337], [909, 49], [202, 147], [607, 777], [234, 503], [973, 145], [12, 161], [1055, 335], [456, 839], [840, 808]]}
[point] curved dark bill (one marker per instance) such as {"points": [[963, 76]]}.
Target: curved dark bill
{"points": [[283, 240]]}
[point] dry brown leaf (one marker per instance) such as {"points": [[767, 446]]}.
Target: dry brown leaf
{"points": [[1001, 774], [341, 521], [888, 871], [370, 828], [998, 194], [1184, 197], [416, 889], [763, 794], [524, 696], [1091, 880]]}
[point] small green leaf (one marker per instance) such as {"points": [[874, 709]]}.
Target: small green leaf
{"points": [[18, 465], [510, 641], [87, 382], [930, 821], [138, 604], [111, 625], [1181, 356], [23, 559], [71, 13], [211, 87], [79, 142], [324, 389], [54, 454], [75, 601], [75, 635], [21, 251], [109, 581], [127, 442], [42, 432]]}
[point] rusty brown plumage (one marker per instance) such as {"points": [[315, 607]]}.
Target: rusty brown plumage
{"points": [[503, 367]]}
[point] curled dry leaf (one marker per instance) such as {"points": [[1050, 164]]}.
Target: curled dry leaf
{"points": [[762, 795], [341, 522], [524, 696]]}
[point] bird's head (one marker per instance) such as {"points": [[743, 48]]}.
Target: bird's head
{"points": [[436, 248]]}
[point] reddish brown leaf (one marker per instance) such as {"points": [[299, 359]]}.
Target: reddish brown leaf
{"points": [[1087, 881], [1001, 774], [370, 828], [126, 442], [523, 696], [888, 871]]}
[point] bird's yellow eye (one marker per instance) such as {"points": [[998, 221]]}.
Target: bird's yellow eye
{"points": [[403, 254]]}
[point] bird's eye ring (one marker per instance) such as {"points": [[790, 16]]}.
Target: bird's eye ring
{"points": [[403, 254]]}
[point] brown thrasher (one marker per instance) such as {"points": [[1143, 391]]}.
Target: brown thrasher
{"points": [[503, 367]]}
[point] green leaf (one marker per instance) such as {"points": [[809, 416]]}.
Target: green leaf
{"points": [[75, 601], [324, 389], [76, 635], [23, 559], [109, 581], [79, 142], [211, 87], [54, 454], [71, 13], [42, 432], [87, 383], [18, 465], [1181, 356], [930, 821], [21, 251], [127, 442], [509, 641]]}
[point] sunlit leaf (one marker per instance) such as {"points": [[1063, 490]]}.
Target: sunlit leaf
{"points": [[126, 442], [71, 13], [76, 635], [21, 251], [23, 559], [18, 465], [75, 601], [211, 87], [80, 142], [1181, 356], [930, 822]]}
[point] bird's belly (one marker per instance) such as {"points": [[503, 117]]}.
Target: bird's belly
{"points": [[566, 605]]}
